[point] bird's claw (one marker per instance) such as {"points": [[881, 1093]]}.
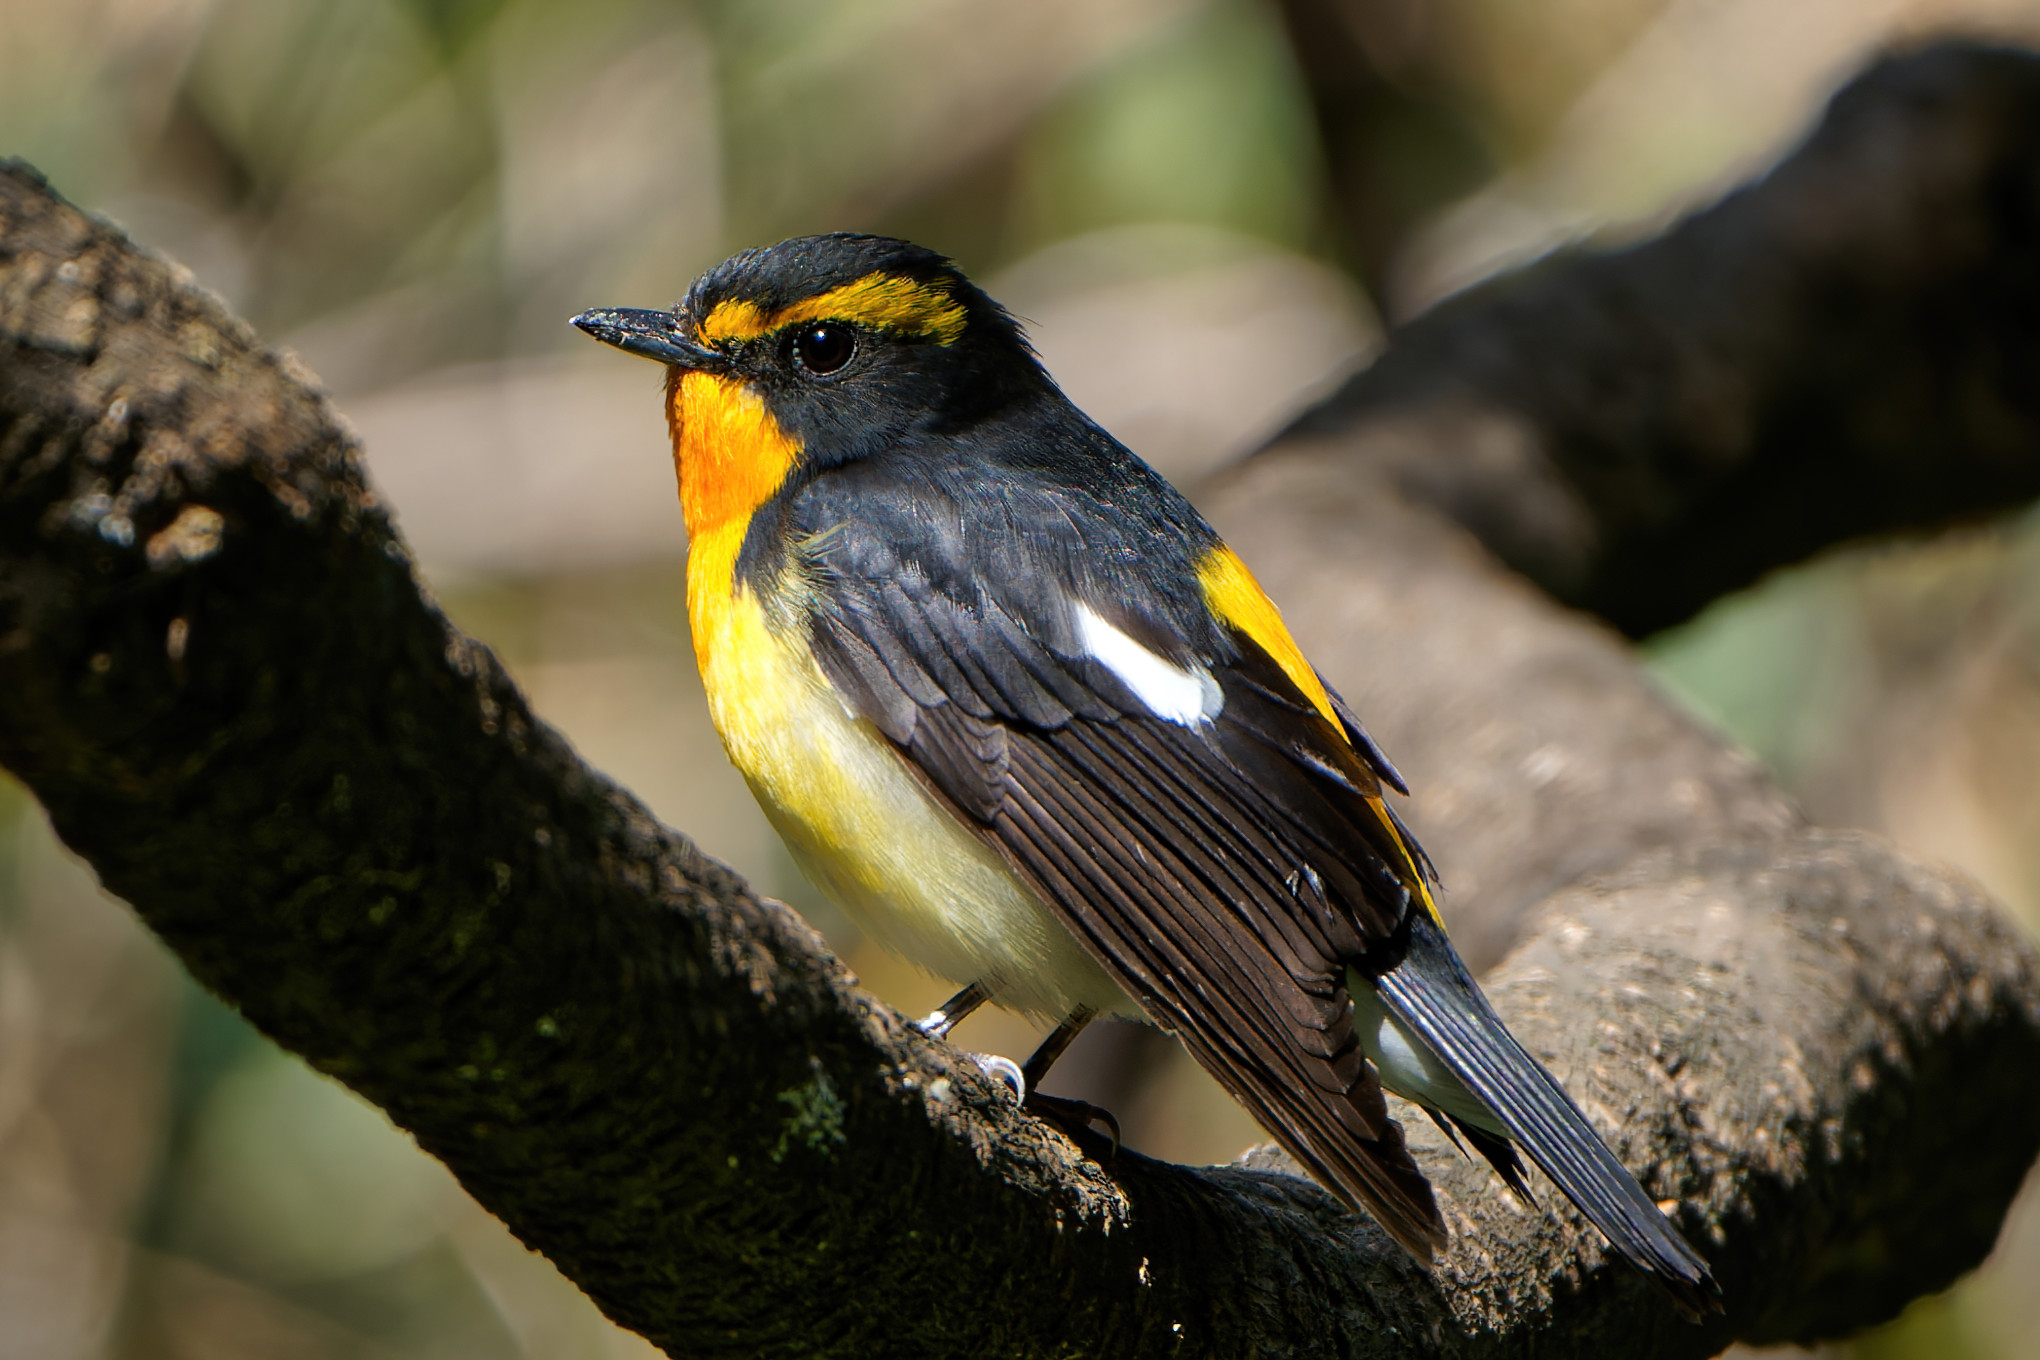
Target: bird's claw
{"points": [[1004, 1071], [1074, 1115]]}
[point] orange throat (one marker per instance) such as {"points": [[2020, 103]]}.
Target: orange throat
{"points": [[729, 452], [731, 456]]}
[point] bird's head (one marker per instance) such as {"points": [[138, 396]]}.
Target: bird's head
{"points": [[818, 351]]}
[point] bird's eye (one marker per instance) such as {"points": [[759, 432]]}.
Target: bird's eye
{"points": [[825, 348]]}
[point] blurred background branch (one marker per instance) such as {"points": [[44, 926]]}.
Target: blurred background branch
{"points": [[1843, 349], [413, 193]]}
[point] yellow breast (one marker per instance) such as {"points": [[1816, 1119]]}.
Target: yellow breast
{"points": [[856, 818]]}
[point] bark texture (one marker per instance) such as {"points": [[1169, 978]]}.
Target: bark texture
{"points": [[222, 680]]}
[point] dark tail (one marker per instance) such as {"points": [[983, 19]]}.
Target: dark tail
{"points": [[1436, 999]]}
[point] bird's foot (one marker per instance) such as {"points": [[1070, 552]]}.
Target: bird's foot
{"points": [[1073, 1116], [1004, 1071]]}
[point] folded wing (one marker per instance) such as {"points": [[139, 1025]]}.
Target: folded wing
{"points": [[1224, 868]]}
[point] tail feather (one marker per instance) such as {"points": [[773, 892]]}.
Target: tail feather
{"points": [[1501, 1155], [1496, 1150], [1432, 994]]}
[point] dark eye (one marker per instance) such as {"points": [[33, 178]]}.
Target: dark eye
{"points": [[824, 348]]}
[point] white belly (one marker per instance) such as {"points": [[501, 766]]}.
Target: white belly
{"points": [[871, 837], [1406, 1063]]}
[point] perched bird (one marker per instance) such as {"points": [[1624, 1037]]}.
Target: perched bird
{"points": [[1017, 709]]}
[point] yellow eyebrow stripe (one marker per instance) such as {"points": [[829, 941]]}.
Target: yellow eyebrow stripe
{"points": [[878, 301], [733, 320]]}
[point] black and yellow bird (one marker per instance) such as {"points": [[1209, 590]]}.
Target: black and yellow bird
{"points": [[1019, 711]]}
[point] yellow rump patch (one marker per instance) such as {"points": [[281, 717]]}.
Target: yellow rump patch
{"points": [[878, 301], [1232, 593], [729, 452]]}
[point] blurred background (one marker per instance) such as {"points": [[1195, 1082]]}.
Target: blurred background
{"points": [[415, 194]]}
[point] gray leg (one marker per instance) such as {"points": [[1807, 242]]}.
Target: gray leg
{"points": [[1073, 1115], [944, 1018], [1052, 1047]]}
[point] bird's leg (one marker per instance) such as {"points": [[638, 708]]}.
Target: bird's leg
{"points": [[946, 1017], [1057, 1042], [1075, 1115]]}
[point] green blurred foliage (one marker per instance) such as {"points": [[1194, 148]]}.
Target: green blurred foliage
{"points": [[1775, 667], [1203, 123]]}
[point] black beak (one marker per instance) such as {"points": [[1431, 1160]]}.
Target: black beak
{"points": [[655, 335]]}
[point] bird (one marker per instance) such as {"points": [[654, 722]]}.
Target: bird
{"points": [[1019, 711]]}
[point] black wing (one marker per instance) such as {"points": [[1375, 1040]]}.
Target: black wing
{"points": [[1223, 873]]}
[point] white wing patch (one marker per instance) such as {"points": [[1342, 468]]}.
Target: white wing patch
{"points": [[1170, 691]]}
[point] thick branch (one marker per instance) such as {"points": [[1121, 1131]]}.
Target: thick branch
{"points": [[221, 680], [1844, 348]]}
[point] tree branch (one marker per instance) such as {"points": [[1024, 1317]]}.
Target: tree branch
{"points": [[1843, 348], [220, 678]]}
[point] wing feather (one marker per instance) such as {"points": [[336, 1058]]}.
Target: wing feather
{"points": [[1302, 1076]]}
